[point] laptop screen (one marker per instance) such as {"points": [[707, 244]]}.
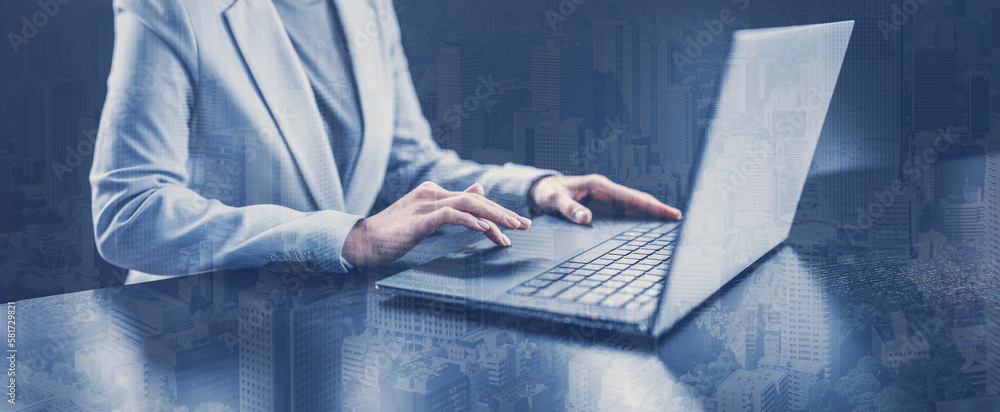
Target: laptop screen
{"points": [[772, 100]]}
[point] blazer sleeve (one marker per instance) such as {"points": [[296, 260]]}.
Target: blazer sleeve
{"points": [[144, 213], [416, 157]]}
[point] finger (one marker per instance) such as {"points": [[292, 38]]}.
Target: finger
{"points": [[494, 233], [607, 190], [484, 208], [477, 189], [448, 216], [572, 209]]}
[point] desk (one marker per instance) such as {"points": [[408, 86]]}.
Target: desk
{"points": [[809, 328]]}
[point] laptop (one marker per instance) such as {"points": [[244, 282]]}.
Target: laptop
{"points": [[642, 276]]}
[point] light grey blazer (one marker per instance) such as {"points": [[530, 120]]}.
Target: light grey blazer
{"points": [[211, 153]]}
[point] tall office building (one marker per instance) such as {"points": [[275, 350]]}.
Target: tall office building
{"points": [[500, 110], [553, 143], [980, 83], [289, 351], [991, 203], [654, 73], [138, 313], [765, 391], [525, 126], [961, 218], [65, 101], [561, 78], [100, 40], [425, 385], [991, 255], [933, 88], [862, 136], [895, 228], [603, 379], [677, 127], [616, 67], [460, 71], [809, 331], [199, 367]]}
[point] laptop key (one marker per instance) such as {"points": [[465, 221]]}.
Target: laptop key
{"points": [[573, 278], [643, 283], [549, 276], [642, 267], [553, 289], [561, 270], [592, 267], [573, 293], [571, 265], [632, 289], [537, 283], [614, 283], [596, 252], [605, 289], [590, 298], [600, 277], [589, 283], [617, 266], [609, 272], [602, 261]]}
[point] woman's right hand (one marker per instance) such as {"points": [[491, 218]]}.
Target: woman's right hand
{"points": [[393, 232]]}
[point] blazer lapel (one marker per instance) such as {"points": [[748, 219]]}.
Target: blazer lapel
{"points": [[281, 80], [375, 91]]}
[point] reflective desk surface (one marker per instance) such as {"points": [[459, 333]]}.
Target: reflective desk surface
{"points": [[812, 327]]}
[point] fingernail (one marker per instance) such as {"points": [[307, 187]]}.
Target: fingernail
{"points": [[525, 222], [578, 217], [505, 239], [484, 224], [513, 222]]}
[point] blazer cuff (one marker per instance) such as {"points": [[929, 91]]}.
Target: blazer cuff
{"points": [[326, 242]]}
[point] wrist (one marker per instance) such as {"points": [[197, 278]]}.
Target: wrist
{"points": [[533, 207], [354, 244]]}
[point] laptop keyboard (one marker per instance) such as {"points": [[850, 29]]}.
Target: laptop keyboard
{"points": [[629, 275]]}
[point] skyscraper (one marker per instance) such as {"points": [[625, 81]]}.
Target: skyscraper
{"points": [[979, 103], [991, 256], [461, 106], [863, 128], [616, 67], [65, 101], [561, 78], [289, 350], [677, 126], [654, 62], [933, 88]]}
